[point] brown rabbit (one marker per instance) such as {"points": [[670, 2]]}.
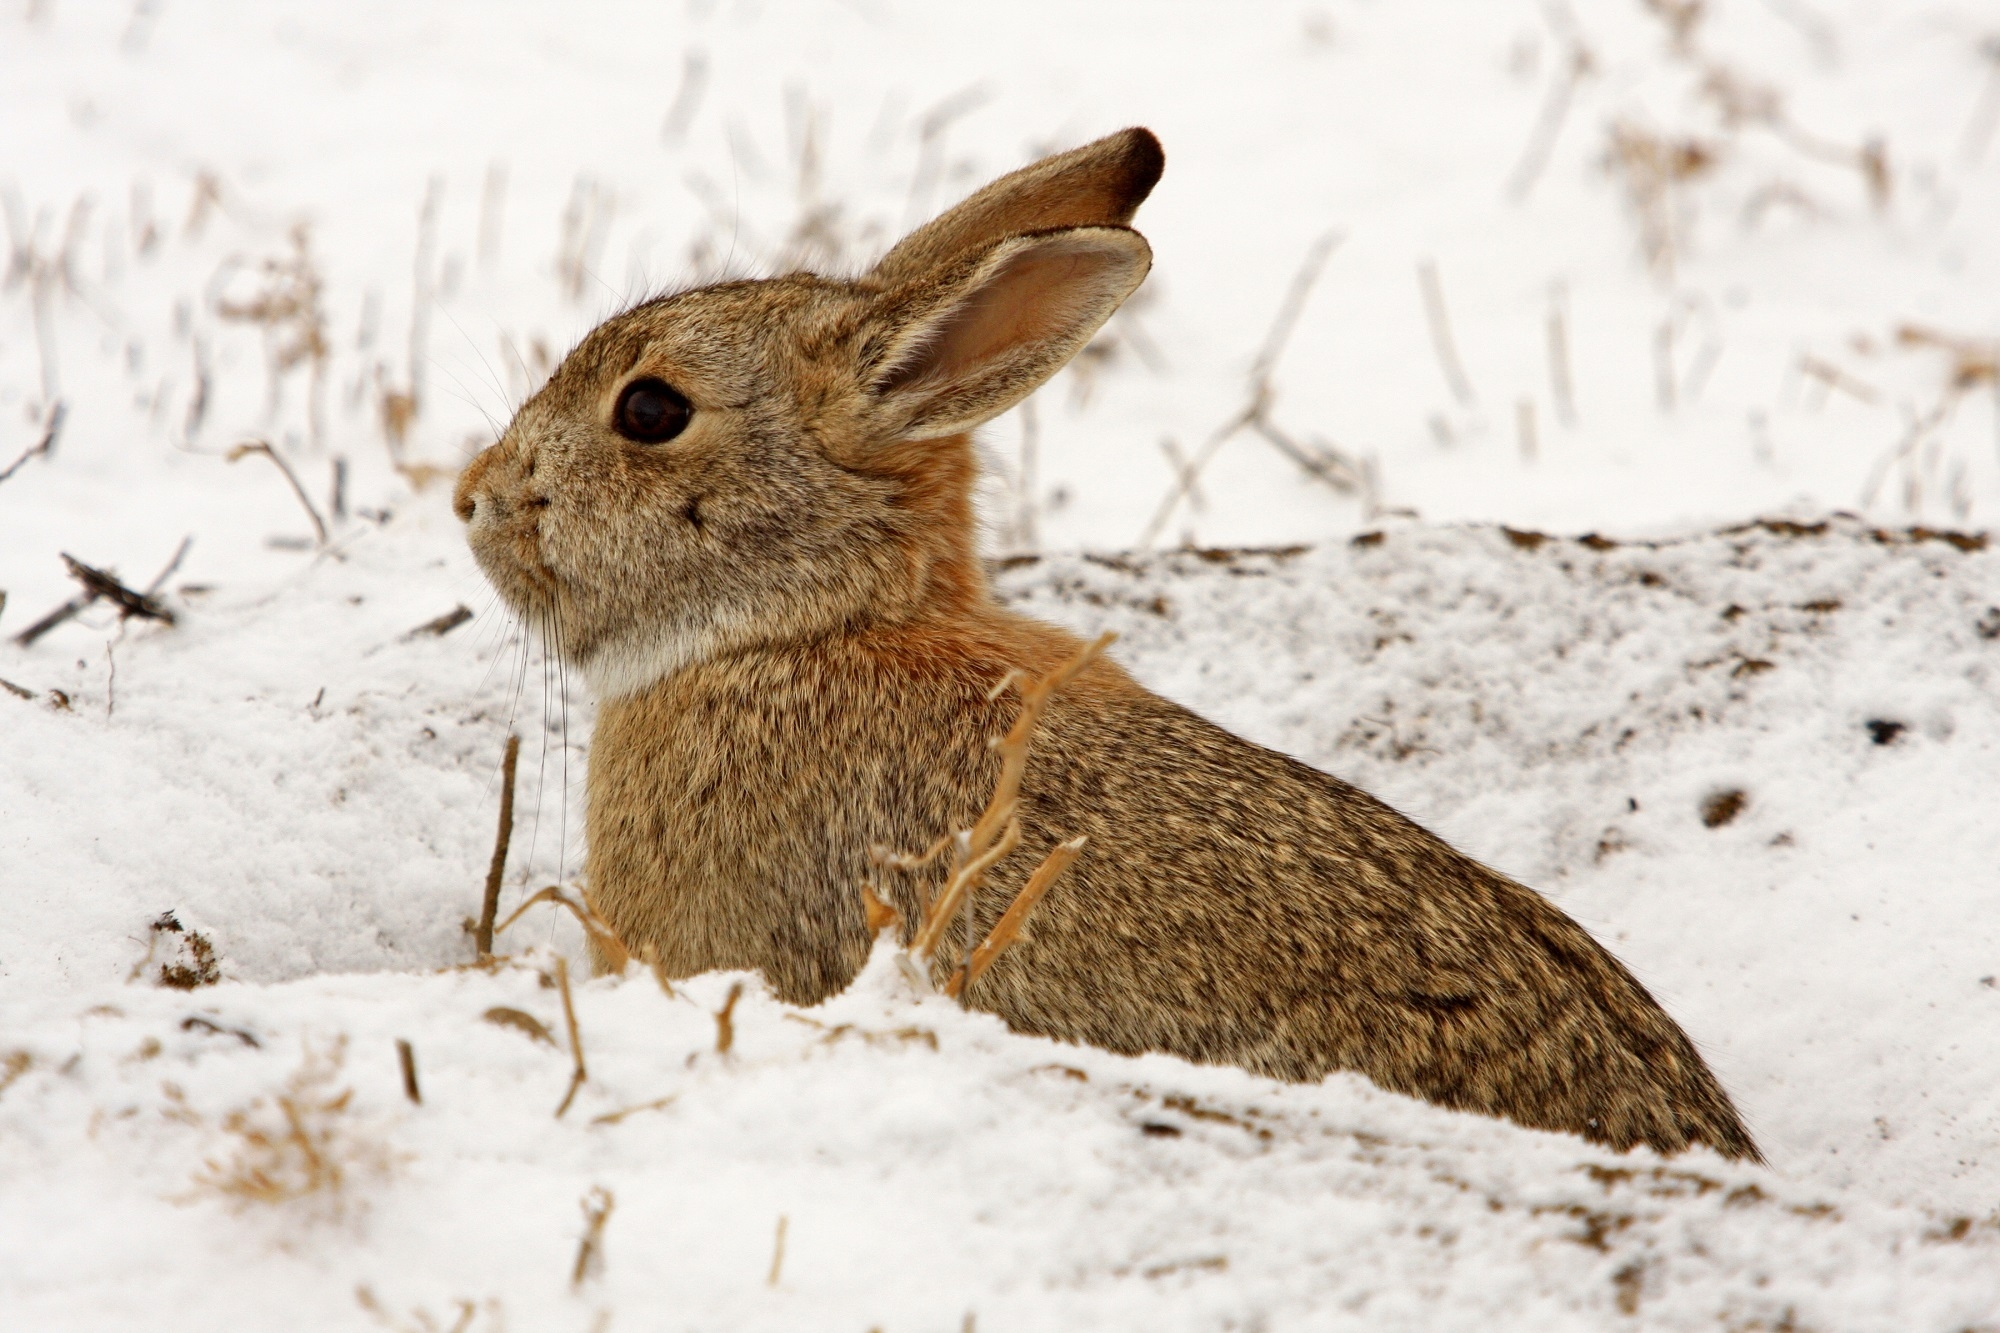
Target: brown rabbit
{"points": [[745, 512]]}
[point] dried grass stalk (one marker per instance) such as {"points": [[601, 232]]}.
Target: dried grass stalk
{"points": [[1833, 377], [1438, 317], [1009, 925], [1974, 361], [616, 955], [1578, 62], [263, 447], [614, 1117], [482, 936], [307, 1149], [778, 1252], [1321, 461], [577, 1078], [406, 1059], [998, 831], [651, 957], [976, 850], [289, 310], [45, 446], [880, 915], [968, 872], [1654, 168], [597, 1206], [501, 1015], [725, 1020], [1562, 386]]}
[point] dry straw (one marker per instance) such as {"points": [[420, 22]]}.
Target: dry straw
{"points": [[579, 1073], [482, 935], [976, 850], [296, 1143], [597, 1206]]}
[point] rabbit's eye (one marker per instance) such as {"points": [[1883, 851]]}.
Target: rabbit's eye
{"points": [[651, 412]]}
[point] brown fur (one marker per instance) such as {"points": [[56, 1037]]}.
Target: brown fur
{"points": [[793, 643]]}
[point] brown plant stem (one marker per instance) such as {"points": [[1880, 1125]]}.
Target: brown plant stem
{"points": [[577, 1078], [1009, 925], [263, 447], [482, 936]]}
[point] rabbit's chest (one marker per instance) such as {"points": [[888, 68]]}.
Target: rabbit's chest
{"points": [[733, 829]]}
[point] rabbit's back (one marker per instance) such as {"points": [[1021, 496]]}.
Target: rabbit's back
{"points": [[1241, 907]]}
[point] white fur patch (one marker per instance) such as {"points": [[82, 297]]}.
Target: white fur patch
{"points": [[634, 661]]}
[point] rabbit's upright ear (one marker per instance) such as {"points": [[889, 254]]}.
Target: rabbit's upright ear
{"points": [[1099, 184], [988, 339]]}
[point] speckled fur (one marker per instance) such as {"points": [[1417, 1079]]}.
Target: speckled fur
{"points": [[793, 643]]}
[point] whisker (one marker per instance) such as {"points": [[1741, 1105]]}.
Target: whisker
{"points": [[562, 705], [491, 637], [527, 375], [542, 763], [461, 391], [520, 684], [492, 373]]}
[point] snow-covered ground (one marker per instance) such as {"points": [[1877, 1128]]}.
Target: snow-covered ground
{"points": [[294, 223]]}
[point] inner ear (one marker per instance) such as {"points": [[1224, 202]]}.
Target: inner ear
{"points": [[1028, 297], [1023, 312]]}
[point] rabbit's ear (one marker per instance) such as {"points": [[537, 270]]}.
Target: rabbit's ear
{"points": [[1099, 184], [992, 337]]}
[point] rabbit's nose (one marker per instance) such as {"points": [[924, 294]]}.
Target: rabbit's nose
{"points": [[468, 495]]}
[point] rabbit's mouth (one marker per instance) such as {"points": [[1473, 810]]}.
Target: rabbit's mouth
{"points": [[513, 555], [510, 555], [503, 513]]}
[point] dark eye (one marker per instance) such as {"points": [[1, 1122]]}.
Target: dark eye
{"points": [[651, 412]]}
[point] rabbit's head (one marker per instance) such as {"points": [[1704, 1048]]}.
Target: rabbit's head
{"points": [[768, 461]]}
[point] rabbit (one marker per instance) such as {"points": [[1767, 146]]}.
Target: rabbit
{"points": [[745, 513]]}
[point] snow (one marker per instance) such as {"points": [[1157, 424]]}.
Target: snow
{"points": [[304, 780], [927, 1166]]}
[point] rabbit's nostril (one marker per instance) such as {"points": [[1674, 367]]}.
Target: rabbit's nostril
{"points": [[465, 506]]}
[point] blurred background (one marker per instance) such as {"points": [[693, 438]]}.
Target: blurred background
{"points": [[1629, 265]]}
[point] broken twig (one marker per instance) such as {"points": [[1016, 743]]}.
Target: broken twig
{"points": [[443, 625], [406, 1058], [27, 637], [90, 595], [99, 583]]}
